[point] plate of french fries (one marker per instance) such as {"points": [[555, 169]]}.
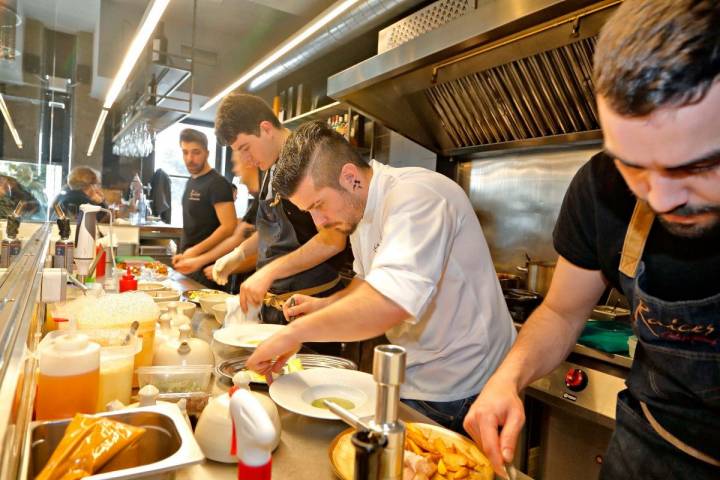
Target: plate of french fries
{"points": [[431, 453]]}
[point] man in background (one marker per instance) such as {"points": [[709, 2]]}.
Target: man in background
{"points": [[208, 208]]}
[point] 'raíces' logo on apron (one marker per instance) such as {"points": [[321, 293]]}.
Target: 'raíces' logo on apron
{"points": [[673, 329]]}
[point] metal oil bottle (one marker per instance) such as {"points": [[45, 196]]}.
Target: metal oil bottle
{"points": [[11, 246], [64, 247]]}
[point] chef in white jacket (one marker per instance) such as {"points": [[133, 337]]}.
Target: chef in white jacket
{"points": [[424, 273]]}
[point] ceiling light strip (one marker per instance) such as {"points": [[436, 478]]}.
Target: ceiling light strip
{"points": [[96, 132], [147, 26], [10, 124], [296, 39], [149, 21]]}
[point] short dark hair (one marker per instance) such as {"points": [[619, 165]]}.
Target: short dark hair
{"points": [[190, 135], [314, 149], [658, 53], [242, 113]]}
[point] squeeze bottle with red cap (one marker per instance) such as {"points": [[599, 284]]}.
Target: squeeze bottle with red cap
{"points": [[253, 436], [127, 282]]}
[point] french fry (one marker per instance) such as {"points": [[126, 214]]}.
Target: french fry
{"points": [[417, 436], [441, 467], [453, 461], [461, 473], [437, 476], [413, 446], [440, 446]]}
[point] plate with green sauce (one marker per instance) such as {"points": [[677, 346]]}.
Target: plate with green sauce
{"points": [[304, 392]]}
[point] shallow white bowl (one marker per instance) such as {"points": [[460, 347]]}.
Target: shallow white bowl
{"points": [[208, 301]]}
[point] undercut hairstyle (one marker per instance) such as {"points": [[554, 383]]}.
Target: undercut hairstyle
{"points": [[658, 53], [190, 135], [242, 113], [317, 150], [81, 178]]}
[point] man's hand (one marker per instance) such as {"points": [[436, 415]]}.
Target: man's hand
{"points": [[191, 252], [227, 264], [253, 290], [498, 405], [208, 271], [272, 354], [176, 259], [188, 265], [303, 306]]}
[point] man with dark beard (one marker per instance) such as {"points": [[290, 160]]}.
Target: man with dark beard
{"points": [[657, 67], [424, 273]]}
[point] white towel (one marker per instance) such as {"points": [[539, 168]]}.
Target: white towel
{"points": [[236, 316]]}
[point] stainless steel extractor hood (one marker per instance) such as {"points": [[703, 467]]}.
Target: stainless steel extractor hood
{"points": [[506, 74]]}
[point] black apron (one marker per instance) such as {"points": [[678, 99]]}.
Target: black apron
{"points": [[276, 237], [668, 420]]}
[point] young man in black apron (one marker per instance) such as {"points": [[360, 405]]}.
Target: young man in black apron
{"points": [[643, 216], [292, 255]]}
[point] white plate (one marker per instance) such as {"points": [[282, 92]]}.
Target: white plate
{"points": [[246, 335], [296, 391]]}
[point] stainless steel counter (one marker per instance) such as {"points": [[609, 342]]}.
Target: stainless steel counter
{"points": [[303, 453]]}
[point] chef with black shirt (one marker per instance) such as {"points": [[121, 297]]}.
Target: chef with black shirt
{"points": [[293, 255], [208, 208], [644, 217]]}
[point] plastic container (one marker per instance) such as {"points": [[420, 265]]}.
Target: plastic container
{"points": [[117, 364], [177, 379], [69, 378], [117, 312]]}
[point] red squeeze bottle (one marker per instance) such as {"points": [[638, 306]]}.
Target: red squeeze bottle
{"points": [[100, 268], [127, 282]]}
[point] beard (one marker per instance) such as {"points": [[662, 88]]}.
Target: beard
{"points": [[353, 214], [709, 228], [344, 228]]}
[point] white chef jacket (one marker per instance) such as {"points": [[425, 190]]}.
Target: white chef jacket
{"points": [[420, 244]]}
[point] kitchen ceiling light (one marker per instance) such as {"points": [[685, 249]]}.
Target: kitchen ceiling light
{"points": [[150, 19], [296, 39], [10, 124], [96, 132]]}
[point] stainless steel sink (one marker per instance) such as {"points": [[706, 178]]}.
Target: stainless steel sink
{"points": [[167, 445]]}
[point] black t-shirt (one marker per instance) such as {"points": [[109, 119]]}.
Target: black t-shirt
{"points": [[198, 201], [591, 228]]}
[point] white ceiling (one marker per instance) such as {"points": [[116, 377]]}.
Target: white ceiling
{"points": [[71, 16]]}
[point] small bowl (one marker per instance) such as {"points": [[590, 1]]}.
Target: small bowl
{"points": [[150, 286], [219, 310], [186, 308], [165, 296], [208, 301]]}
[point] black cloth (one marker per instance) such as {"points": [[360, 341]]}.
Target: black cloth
{"points": [[591, 227], [160, 195], [251, 214], [198, 201], [70, 201]]}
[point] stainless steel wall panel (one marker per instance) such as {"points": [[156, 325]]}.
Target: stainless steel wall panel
{"points": [[517, 198]]}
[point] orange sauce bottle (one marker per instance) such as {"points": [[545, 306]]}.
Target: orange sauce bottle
{"points": [[69, 377]]}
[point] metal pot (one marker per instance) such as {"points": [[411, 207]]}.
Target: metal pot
{"points": [[539, 275], [509, 280], [521, 303]]}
